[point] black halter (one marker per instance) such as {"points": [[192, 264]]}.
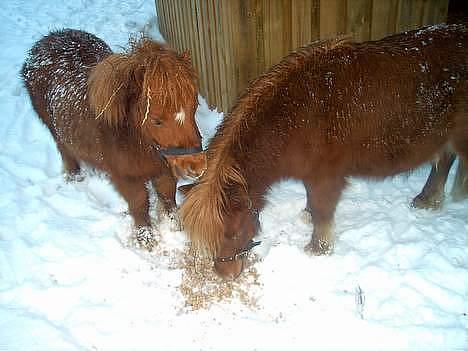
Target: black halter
{"points": [[239, 255], [178, 151]]}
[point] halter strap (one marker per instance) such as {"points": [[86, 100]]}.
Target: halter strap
{"points": [[239, 255], [178, 151]]}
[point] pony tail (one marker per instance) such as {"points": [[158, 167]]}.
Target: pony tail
{"points": [[108, 85]]}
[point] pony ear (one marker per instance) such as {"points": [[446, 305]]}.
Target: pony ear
{"points": [[186, 56], [108, 89]]}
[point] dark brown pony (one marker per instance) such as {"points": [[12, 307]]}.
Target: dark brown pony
{"points": [[129, 114], [329, 111]]}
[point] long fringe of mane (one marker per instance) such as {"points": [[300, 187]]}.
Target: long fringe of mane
{"points": [[203, 211], [149, 71]]}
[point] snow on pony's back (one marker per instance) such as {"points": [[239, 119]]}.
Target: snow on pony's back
{"points": [[328, 111], [120, 113]]}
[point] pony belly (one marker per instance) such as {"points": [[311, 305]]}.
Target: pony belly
{"points": [[392, 161]]}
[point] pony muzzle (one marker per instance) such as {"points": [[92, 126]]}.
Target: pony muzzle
{"points": [[230, 270], [231, 267], [189, 166]]}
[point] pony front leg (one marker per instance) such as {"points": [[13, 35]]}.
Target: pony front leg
{"points": [[71, 167], [306, 214], [322, 198], [165, 187], [134, 191]]}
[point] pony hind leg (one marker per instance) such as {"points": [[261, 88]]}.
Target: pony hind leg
{"points": [[460, 144], [322, 198], [71, 166], [460, 185], [432, 194]]}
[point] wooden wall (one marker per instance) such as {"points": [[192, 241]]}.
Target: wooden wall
{"points": [[233, 41]]}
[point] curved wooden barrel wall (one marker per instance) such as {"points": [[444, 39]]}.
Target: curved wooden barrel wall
{"points": [[233, 41]]}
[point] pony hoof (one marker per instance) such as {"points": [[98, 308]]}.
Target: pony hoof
{"points": [[319, 248], [145, 238], [74, 177], [175, 223], [427, 203]]}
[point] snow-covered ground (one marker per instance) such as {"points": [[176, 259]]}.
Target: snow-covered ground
{"points": [[398, 279]]}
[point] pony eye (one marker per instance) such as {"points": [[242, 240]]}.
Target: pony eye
{"points": [[157, 122]]}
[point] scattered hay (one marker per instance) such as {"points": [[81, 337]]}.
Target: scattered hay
{"points": [[201, 287]]}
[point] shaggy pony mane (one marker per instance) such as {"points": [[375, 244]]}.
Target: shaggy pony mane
{"points": [[146, 71]]}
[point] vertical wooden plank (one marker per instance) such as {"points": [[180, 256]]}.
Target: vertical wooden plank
{"points": [[435, 11], [175, 25], [270, 30], [179, 39], [410, 15], [305, 22], [208, 51], [359, 17], [299, 30], [179, 28], [171, 32], [286, 17], [181, 9], [259, 38], [235, 30], [384, 18], [170, 27], [278, 36], [214, 53], [224, 55], [195, 44], [202, 70], [314, 21], [441, 11], [160, 16], [332, 18], [189, 41], [267, 28], [247, 42]]}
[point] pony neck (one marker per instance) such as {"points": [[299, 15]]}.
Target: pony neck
{"points": [[259, 168]]}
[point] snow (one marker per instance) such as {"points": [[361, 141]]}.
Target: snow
{"points": [[70, 280]]}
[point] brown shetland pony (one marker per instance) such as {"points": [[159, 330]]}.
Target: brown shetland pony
{"points": [[129, 114], [326, 112]]}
